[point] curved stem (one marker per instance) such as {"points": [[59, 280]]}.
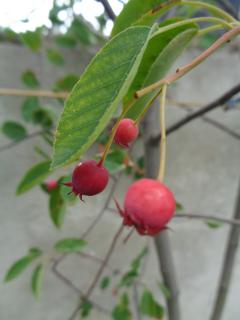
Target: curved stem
{"points": [[206, 30], [180, 72], [213, 9], [114, 129], [193, 20], [33, 93], [163, 134]]}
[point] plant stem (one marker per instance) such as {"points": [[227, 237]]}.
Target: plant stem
{"points": [[180, 72], [145, 110], [235, 222], [213, 9], [33, 93], [206, 30], [192, 20], [114, 129], [163, 134]]}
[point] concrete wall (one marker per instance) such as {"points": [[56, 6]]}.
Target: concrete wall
{"points": [[202, 170]]}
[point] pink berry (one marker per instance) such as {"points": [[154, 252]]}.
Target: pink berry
{"points": [[88, 178], [51, 184], [148, 206], [126, 133]]}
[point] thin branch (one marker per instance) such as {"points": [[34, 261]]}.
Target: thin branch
{"points": [[235, 222], [100, 270], [108, 9], [228, 264], [221, 127], [33, 93], [180, 72], [28, 137], [196, 114]]}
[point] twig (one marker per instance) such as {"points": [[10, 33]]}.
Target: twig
{"points": [[14, 143], [228, 264], [100, 271], [235, 222], [180, 72], [108, 9], [196, 114], [33, 93], [221, 127]]}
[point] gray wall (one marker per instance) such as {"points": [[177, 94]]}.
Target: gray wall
{"points": [[202, 170]]}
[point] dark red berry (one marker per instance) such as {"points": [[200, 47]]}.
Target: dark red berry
{"points": [[51, 184], [126, 133], [148, 206], [88, 178]]}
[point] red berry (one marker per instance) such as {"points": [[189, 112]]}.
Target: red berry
{"points": [[126, 133], [51, 184], [148, 206], [88, 178]]}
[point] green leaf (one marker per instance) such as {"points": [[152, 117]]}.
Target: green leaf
{"points": [[132, 12], [43, 117], [14, 130], [20, 265], [104, 283], [214, 224], [64, 190], [29, 106], [121, 311], [29, 79], [160, 55], [34, 176], [128, 278], [86, 308], [66, 41], [149, 307], [55, 57], [80, 30], [97, 94], [66, 83], [57, 207], [165, 291], [32, 39], [70, 245], [136, 263], [37, 278]]}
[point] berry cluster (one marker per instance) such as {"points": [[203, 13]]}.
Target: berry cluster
{"points": [[148, 205]]}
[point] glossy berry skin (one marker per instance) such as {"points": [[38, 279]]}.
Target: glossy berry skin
{"points": [[51, 185], [89, 178], [126, 133], [148, 206]]}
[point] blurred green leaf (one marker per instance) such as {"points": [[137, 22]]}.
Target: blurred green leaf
{"points": [[214, 224], [136, 263], [37, 278], [14, 130], [34, 176], [97, 94], [104, 283], [29, 79], [32, 39], [57, 207], [70, 245], [66, 83], [42, 117], [55, 57], [121, 311], [165, 291], [29, 106], [148, 306], [115, 161], [20, 265], [81, 31], [86, 308], [65, 41]]}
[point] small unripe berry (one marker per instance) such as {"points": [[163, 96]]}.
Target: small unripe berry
{"points": [[51, 185], [89, 178], [126, 133], [148, 206]]}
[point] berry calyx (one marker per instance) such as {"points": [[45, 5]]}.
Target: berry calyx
{"points": [[51, 185], [148, 206], [127, 132], [89, 178]]}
